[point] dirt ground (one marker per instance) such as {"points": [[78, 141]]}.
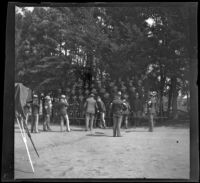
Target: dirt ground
{"points": [[163, 153]]}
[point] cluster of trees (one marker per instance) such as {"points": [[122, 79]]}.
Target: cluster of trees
{"points": [[56, 46]]}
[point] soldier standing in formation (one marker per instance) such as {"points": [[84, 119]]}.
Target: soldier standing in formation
{"points": [[117, 107]]}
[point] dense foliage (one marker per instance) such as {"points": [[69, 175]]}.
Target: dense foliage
{"points": [[56, 47]]}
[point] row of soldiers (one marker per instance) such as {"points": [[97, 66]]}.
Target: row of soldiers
{"points": [[88, 108]]}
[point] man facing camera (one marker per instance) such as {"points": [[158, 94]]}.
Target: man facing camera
{"points": [[117, 107]]}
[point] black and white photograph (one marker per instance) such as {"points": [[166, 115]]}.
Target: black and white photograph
{"points": [[103, 91]]}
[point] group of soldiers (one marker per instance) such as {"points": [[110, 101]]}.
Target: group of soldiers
{"points": [[118, 109]]}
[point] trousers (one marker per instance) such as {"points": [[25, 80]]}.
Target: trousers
{"points": [[34, 123], [66, 119], [151, 122], [117, 120], [89, 119], [46, 124]]}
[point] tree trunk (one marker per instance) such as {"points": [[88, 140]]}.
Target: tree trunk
{"points": [[174, 98], [169, 101]]}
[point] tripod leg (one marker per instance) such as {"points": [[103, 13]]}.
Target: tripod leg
{"points": [[25, 142]]}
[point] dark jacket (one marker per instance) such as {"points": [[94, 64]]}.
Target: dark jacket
{"points": [[117, 107], [101, 106]]}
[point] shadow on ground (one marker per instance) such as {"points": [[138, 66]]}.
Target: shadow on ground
{"points": [[98, 134]]}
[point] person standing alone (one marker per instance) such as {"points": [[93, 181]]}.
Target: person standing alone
{"points": [[117, 107]]}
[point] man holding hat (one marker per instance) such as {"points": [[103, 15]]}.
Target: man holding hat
{"points": [[63, 104], [117, 107], [90, 107], [47, 113], [35, 114]]}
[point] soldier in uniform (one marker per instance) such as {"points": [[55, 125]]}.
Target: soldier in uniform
{"points": [[90, 107], [47, 113], [35, 114], [116, 107], [63, 104]]}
